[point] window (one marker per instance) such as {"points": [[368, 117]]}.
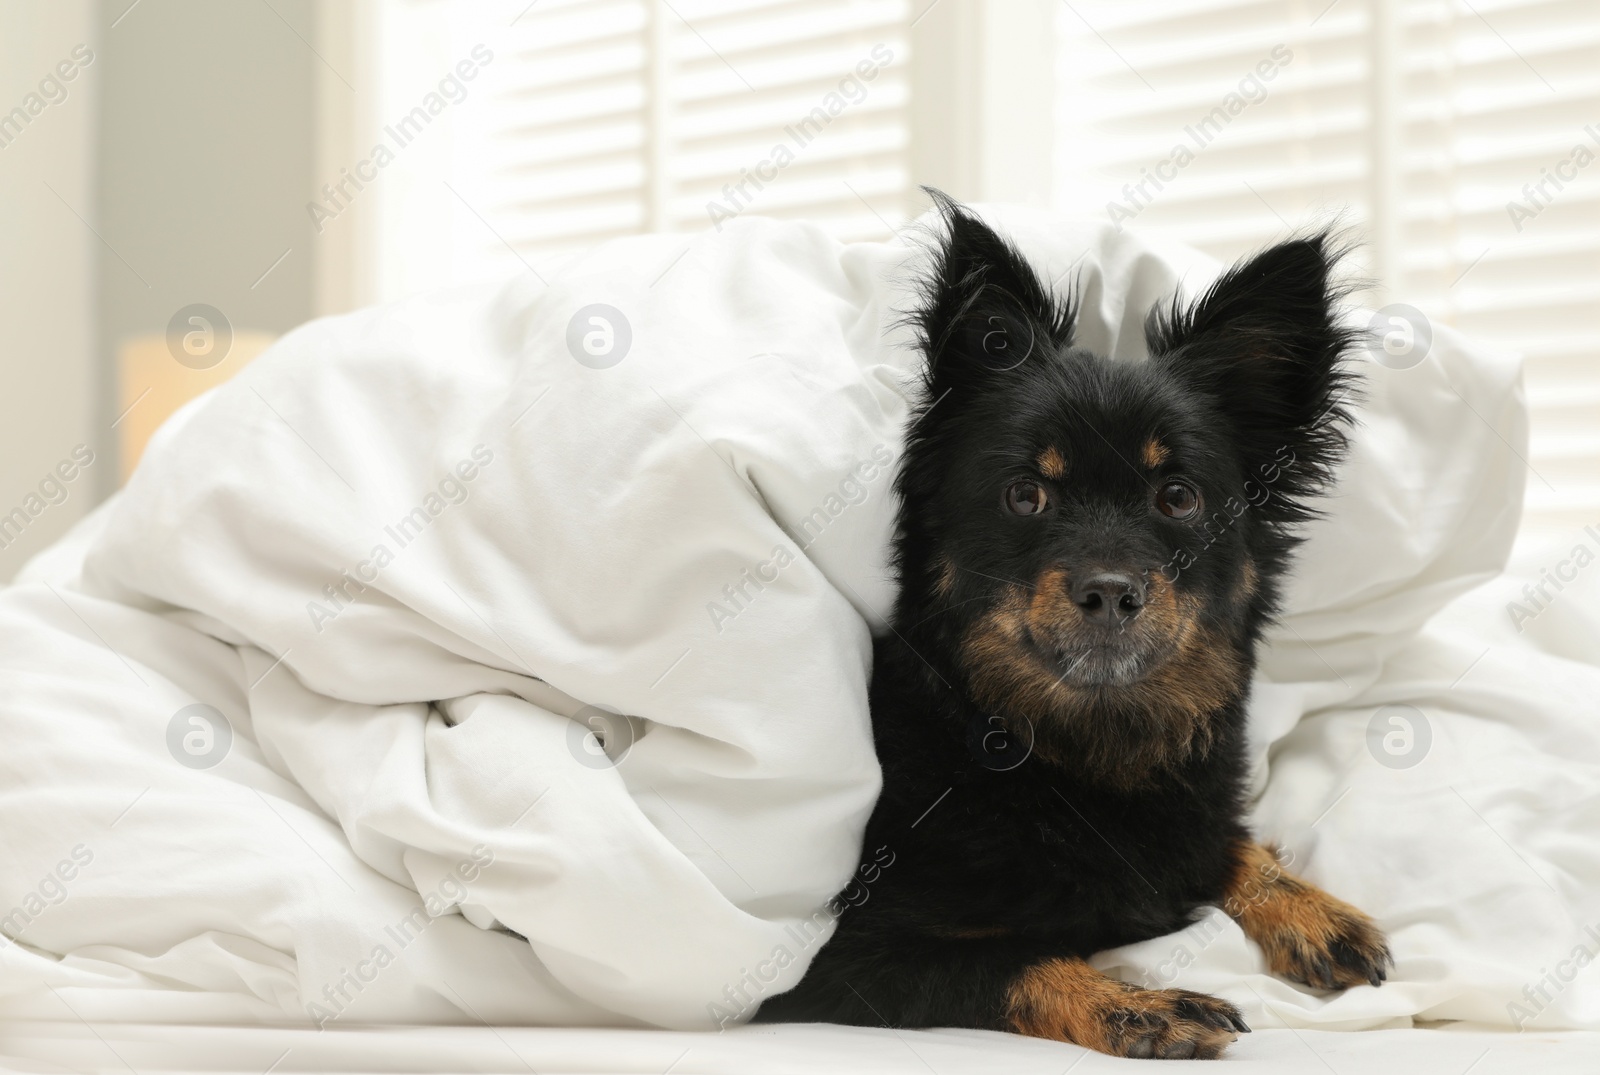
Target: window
{"points": [[593, 119]]}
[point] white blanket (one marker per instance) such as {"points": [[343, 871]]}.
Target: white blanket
{"points": [[411, 557]]}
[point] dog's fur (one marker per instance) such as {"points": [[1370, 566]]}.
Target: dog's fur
{"points": [[1059, 706]]}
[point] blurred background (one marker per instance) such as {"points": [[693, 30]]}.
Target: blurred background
{"points": [[181, 181]]}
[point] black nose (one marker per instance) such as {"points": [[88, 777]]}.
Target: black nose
{"points": [[1108, 597]]}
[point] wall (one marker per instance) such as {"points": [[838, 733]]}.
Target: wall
{"points": [[206, 145], [47, 253], [982, 94]]}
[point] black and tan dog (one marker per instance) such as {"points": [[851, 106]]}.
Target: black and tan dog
{"points": [[1088, 553]]}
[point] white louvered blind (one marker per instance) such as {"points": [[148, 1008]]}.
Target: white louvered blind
{"points": [[601, 118], [1423, 120]]}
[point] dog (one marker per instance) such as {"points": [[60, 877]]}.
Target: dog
{"points": [[1088, 553]]}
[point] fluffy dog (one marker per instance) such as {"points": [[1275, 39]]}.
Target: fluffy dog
{"points": [[1088, 553]]}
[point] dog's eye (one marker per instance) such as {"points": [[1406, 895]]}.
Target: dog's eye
{"points": [[1025, 498], [1178, 500]]}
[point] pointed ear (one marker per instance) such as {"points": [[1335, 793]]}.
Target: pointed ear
{"points": [[1265, 343], [984, 310]]}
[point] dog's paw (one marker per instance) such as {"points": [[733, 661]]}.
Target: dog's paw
{"points": [[1067, 1000], [1326, 943], [1307, 935], [1168, 1024]]}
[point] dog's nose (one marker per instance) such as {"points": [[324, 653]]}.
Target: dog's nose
{"points": [[1108, 597]]}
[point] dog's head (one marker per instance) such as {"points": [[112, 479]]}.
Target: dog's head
{"points": [[1093, 546]]}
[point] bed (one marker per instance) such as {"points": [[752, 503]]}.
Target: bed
{"points": [[479, 683]]}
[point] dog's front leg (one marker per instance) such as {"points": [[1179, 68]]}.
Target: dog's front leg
{"points": [[1068, 1000], [1306, 934], [922, 981]]}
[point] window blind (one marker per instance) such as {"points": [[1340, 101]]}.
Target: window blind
{"points": [[1460, 139], [602, 118]]}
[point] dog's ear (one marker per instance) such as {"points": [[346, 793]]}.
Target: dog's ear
{"points": [[984, 311], [1265, 343]]}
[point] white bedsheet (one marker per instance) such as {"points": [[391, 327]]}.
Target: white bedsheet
{"points": [[403, 774], [758, 1050]]}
